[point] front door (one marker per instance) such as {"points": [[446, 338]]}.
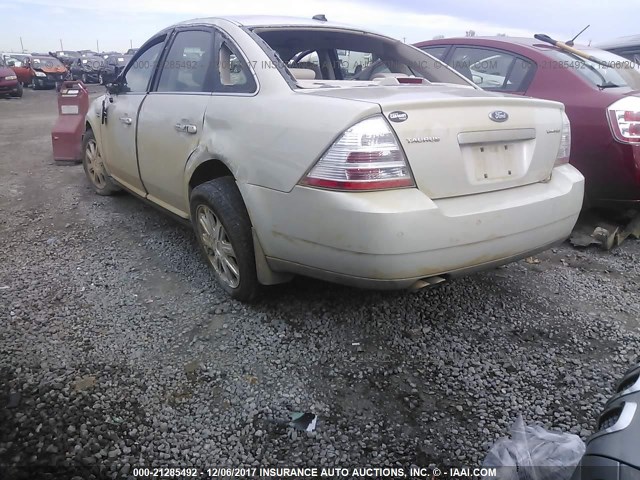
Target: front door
{"points": [[171, 119], [119, 133]]}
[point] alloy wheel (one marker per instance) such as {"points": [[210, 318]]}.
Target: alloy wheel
{"points": [[217, 246], [95, 166]]}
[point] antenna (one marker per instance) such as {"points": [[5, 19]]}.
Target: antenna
{"points": [[570, 42], [320, 17]]}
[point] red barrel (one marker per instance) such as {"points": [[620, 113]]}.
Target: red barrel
{"points": [[66, 135]]}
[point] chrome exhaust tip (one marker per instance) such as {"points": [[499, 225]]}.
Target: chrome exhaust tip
{"points": [[427, 282]]}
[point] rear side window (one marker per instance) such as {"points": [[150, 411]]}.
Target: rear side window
{"points": [[233, 73], [492, 69], [617, 71], [187, 66]]}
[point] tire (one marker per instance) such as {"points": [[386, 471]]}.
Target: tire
{"points": [[217, 207], [18, 92], [94, 167]]}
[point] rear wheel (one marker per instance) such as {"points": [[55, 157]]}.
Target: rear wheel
{"points": [[223, 230], [94, 167]]}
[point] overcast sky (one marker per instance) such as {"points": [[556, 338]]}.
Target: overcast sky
{"points": [[116, 24]]}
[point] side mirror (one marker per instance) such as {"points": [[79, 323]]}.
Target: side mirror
{"points": [[477, 79], [115, 88]]}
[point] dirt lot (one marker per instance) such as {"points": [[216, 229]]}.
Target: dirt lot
{"points": [[118, 351]]}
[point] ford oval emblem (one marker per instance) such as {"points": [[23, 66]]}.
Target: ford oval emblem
{"points": [[398, 116], [499, 116]]}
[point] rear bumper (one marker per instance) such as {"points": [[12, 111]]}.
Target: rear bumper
{"points": [[392, 239]]}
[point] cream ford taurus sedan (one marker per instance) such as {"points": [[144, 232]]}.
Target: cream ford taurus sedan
{"points": [[395, 172]]}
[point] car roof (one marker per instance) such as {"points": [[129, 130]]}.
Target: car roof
{"points": [[630, 41], [253, 21], [525, 42]]}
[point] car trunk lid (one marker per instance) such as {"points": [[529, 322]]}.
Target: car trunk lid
{"points": [[453, 144]]}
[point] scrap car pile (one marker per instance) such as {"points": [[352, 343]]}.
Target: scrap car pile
{"points": [[49, 70]]}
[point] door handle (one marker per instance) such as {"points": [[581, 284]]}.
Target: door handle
{"points": [[186, 127], [126, 120]]}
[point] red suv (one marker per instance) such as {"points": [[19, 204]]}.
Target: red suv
{"points": [[602, 101], [9, 84]]}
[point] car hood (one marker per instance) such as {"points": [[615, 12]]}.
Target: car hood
{"points": [[52, 69]]}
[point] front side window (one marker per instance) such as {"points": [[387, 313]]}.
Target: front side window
{"points": [[139, 75], [187, 67]]}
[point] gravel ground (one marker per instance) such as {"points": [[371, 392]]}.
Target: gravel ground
{"points": [[118, 351]]}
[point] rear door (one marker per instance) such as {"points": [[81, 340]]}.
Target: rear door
{"points": [[201, 65], [171, 118], [119, 133]]}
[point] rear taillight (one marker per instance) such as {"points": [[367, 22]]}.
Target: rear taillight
{"points": [[367, 156], [564, 150], [624, 119]]}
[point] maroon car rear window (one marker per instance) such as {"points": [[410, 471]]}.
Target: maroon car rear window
{"points": [[618, 72]]}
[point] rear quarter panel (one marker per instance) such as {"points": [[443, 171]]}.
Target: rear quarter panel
{"points": [[274, 137], [270, 138]]}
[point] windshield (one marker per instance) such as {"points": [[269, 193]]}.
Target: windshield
{"points": [[618, 71], [45, 62], [344, 55]]}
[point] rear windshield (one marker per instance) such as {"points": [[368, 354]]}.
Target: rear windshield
{"points": [[343, 55], [618, 71]]}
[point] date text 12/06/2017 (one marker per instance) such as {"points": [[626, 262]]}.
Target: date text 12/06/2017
{"points": [[312, 472]]}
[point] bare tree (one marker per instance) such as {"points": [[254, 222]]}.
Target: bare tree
{"points": [[438, 37], [501, 34], [470, 33]]}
